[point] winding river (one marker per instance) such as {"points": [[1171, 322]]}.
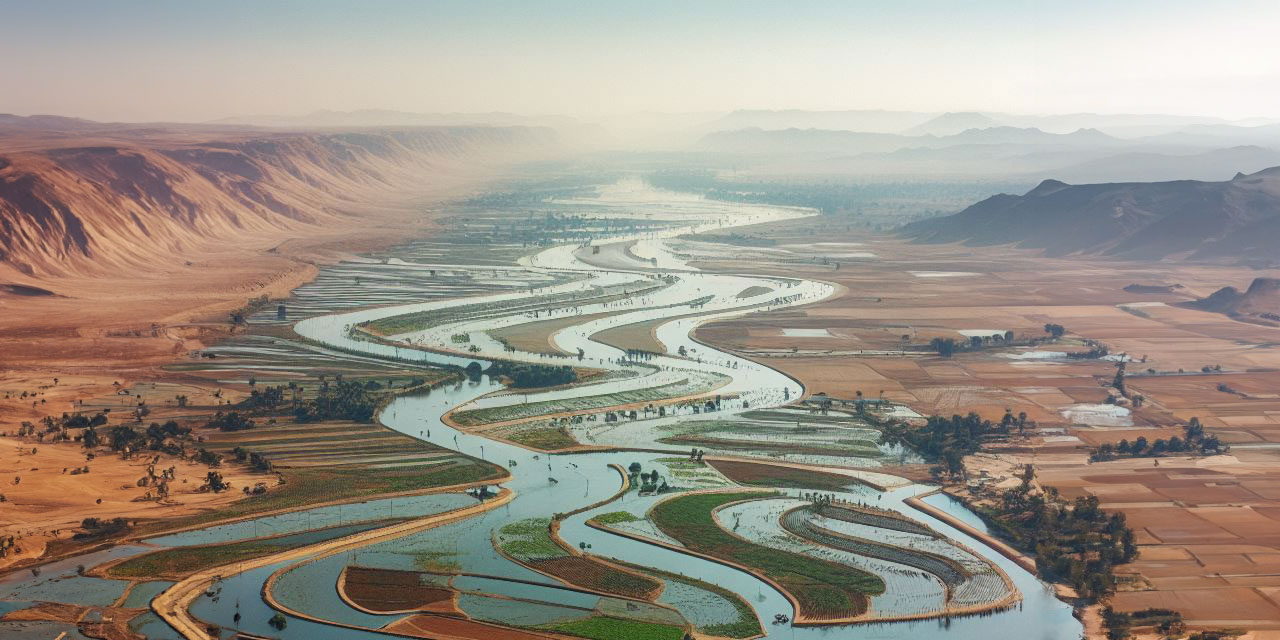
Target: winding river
{"points": [[665, 286]]}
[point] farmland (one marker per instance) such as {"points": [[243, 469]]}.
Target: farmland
{"points": [[824, 590], [183, 561], [531, 543]]}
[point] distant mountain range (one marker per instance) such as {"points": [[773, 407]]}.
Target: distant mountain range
{"points": [[944, 124], [1199, 152], [822, 141], [84, 198], [391, 118], [1233, 220]]}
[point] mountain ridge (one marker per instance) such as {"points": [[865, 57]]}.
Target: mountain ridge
{"points": [[124, 205], [1235, 220]]}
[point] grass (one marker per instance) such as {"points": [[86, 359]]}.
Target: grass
{"points": [[529, 539], [823, 589], [764, 475], [615, 517], [476, 417], [180, 562], [543, 439], [310, 486], [441, 561], [607, 628], [746, 626]]}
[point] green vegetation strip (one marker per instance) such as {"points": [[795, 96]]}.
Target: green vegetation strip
{"points": [[184, 561], [528, 540], [607, 628], [476, 417], [823, 590], [405, 323], [311, 486], [615, 517], [543, 438], [746, 626], [782, 477]]}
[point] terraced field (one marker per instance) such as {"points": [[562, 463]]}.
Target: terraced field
{"points": [[530, 542], [511, 571], [823, 590], [692, 385]]}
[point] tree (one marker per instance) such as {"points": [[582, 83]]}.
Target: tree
{"points": [[944, 346], [1139, 445], [278, 621], [1055, 330], [214, 481], [91, 439]]}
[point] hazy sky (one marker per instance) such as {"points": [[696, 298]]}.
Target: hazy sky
{"points": [[194, 61]]}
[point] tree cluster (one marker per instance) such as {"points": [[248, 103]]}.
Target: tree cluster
{"points": [[532, 376], [1195, 442], [1076, 542], [945, 441], [341, 400]]}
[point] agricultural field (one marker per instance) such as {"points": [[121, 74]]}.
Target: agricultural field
{"points": [[776, 439], [530, 542], [712, 609], [180, 562], [607, 628], [781, 476], [386, 590], [637, 335], [823, 589], [1201, 522], [694, 384], [546, 303]]}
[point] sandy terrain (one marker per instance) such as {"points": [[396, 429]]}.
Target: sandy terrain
{"points": [[48, 502], [109, 320]]}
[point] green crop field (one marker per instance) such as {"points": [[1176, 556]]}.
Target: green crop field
{"points": [[823, 589]]}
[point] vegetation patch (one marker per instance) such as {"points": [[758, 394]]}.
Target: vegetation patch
{"points": [[389, 590], [317, 485], [543, 438], [768, 475], [692, 386], [180, 562], [609, 628], [745, 626], [614, 517], [823, 589], [1075, 543], [529, 541]]}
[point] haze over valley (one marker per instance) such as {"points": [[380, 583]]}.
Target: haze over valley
{"points": [[647, 321]]}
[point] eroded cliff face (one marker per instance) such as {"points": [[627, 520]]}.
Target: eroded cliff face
{"points": [[108, 208]]}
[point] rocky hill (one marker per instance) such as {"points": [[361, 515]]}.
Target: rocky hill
{"points": [[1261, 300], [1236, 220], [86, 198]]}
